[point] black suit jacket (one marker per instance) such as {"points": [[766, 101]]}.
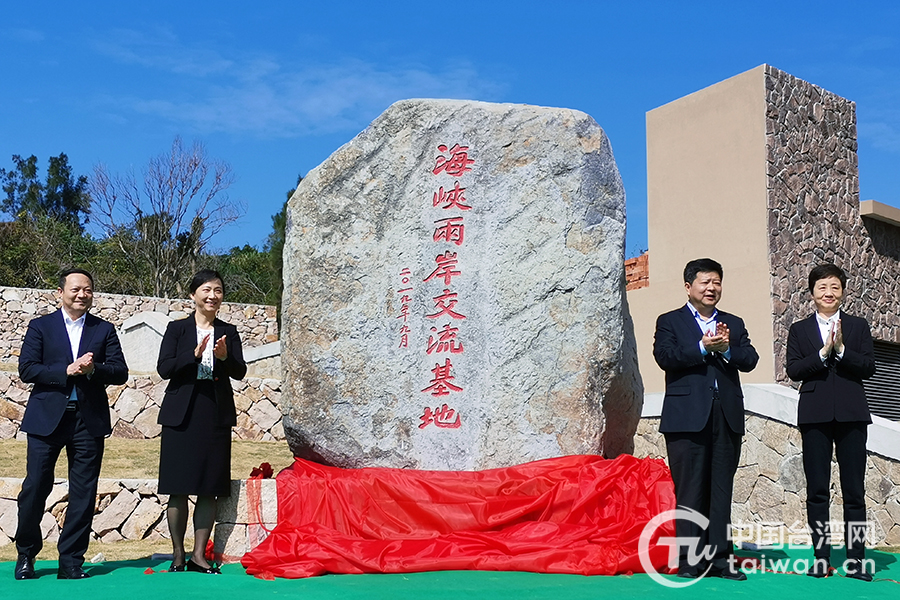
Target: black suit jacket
{"points": [[178, 364], [45, 355], [691, 377], [833, 390]]}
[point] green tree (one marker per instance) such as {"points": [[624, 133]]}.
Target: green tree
{"points": [[46, 234], [255, 276], [275, 246], [15, 254], [61, 197], [248, 275]]}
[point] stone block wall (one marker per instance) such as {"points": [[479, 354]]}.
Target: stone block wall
{"points": [[245, 518], [256, 323], [132, 509], [813, 207], [134, 407], [770, 487]]}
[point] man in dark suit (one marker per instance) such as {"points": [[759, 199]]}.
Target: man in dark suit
{"points": [[702, 349], [831, 352], [70, 356]]}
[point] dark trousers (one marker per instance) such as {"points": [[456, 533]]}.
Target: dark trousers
{"points": [[820, 440], [85, 453], [703, 465]]}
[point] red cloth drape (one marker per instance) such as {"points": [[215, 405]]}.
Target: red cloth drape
{"points": [[574, 514]]}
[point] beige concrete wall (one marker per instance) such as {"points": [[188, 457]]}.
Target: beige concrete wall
{"points": [[707, 197]]}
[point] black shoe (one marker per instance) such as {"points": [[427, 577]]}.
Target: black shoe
{"points": [[195, 568], [729, 573], [173, 568], [820, 568], [688, 574], [856, 570], [71, 573], [25, 567]]}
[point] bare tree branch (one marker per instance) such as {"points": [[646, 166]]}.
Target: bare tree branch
{"points": [[165, 221]]}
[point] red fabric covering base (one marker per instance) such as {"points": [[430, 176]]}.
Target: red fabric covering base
{"points": [[574, 514]]}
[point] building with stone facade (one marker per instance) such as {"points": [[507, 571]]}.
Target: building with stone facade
{"points": [[760, 173]]}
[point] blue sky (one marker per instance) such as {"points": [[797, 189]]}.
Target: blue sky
{"points": [[274, 88]]}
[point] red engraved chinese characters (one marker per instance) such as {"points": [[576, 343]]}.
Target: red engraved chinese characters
{"points": [[456, 163], [444, 304], [451, 198], [445, 265], [445, 341], [440, 383], [450, 230], [441, 417], [404, 337], [405, 275]]}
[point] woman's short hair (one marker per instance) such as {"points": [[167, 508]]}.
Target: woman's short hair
{"points": [[203, 276], [824, 271]]}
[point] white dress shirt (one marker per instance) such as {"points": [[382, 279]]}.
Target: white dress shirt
{"points": [[74, 329], [826, 325], [205, 368], [708, 327]]}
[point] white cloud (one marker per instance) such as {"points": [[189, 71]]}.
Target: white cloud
{"points": [[206, 91], [162, 51]]}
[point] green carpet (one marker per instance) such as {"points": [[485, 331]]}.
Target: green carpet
{"points": [[118, 580]]}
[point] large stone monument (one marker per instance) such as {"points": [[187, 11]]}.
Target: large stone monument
{"points": [[454, 293]]}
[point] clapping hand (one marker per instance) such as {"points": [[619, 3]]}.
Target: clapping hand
{"points": [[198, 351], [83, 365], [834, 341], [718, 341], [220, 350]]}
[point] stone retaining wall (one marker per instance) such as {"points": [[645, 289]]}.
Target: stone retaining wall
{"points": [[131, 509], [770, 487], [134, 407], [256, 323]]}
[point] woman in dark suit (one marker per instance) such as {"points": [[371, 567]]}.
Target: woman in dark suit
{"points": [[199, 356], [831, 352]]}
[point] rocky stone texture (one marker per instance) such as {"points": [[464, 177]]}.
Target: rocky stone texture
{"points": [[134, 407], [499, 228], [131, 509], [769, 502], [813, 202]]}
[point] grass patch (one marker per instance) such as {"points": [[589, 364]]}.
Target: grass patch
{"points": [[139, 459], [121, 550]]}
